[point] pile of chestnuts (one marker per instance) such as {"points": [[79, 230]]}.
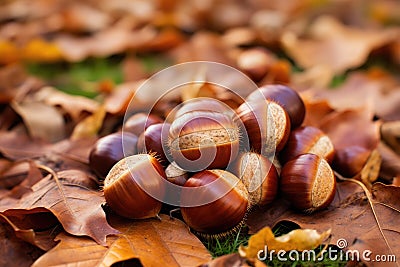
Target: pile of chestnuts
{"points": [[216, 160]]}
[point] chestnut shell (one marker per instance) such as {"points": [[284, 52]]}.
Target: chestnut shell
{"points": [[155, 139], [259, 176], [203, 139], [139, 122], [307, 139], [308, 182], [285, 96], [258, 118], [125, 183], [223, 214], [109, 149]]}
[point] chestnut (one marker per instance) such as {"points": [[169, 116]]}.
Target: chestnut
{"points": [[349, 161], [227, 207], [267, 125], [203, 139], [259, 176], [176, 175], [109, 149], [154, 140], [308, 182], [139, 122], [285, 96], [307, 139], [128, 184]]}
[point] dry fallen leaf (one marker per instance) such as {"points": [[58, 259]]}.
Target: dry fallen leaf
{"points": [[150, 242], [72, 105], [349, 217], [42, 121], [348, 47], [90, 126], [77, 207], [15, 252], [299, 239]]}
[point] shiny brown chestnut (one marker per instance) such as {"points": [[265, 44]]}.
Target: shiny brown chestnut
{"points": [[267, 125], [203, 139], [307, 139], [308, 182], [259, 176], [109, 149], [155, 140], [226, 212], [349, 161], [139, 122], [175, 174], [285, 96], [127, 184]]}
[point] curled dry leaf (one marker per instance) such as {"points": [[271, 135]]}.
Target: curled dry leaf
{"points": [[299, 239], [12, 173], [12, 247], [391, 134], [370, 171], [90, 126], [390, 162], [150, 242], [73, 105], [34, 175], [43, 239], [42, 121], [82, 215]]}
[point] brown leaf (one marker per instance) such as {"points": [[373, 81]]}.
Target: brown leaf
{"points": [[12, 173], [375, 90], [18, 145], [90, 126], [118, 101], [370, 171], [316, 111], [340, 128], [334, 45], [349, 216], [43, 240], [390, 162], [42, 121], [73, 105], [34, 175], [166, 242], [15, 252], [391, 134], [76, 207], [205, 46]]}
